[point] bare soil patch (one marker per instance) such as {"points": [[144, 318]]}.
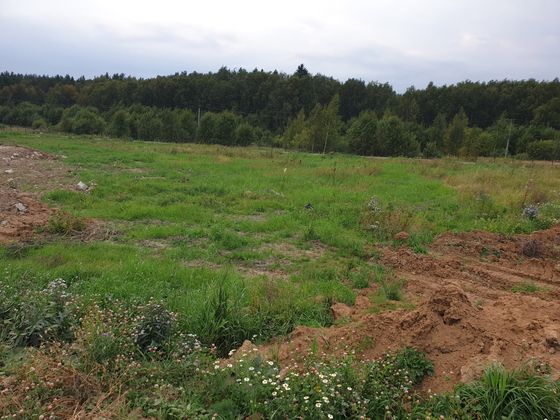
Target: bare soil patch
{"points": [[466, 314], [24, 175]]}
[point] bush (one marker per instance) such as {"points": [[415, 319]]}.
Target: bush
{"points": [[30, 318], [544, 150]]}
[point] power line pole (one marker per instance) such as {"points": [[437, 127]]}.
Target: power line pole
{"points": [[509, 135]]}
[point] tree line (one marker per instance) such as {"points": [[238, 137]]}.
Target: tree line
{"points": [[303, 111]]}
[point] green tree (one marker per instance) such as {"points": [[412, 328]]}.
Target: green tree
{"points": [[294, 129], [245, 134], [120, 124], [456, 133], [394, 139], [362, 134]]}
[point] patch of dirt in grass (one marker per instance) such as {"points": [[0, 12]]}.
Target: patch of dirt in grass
{"points": [[282, 257], [23, 168], [25, 174], [465, 314]]}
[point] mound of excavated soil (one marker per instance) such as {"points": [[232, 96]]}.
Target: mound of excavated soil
{"points": [[23, 169], [465, 314]]}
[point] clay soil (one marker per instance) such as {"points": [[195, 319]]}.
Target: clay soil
{"points": [[24, 175], [467, 308]]}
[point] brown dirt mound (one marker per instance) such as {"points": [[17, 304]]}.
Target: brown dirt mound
{"points": [[23, 169], [465, 313]]}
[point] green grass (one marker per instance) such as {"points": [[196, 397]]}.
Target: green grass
{"points": [[526, 287], [192, 223], [188, 216]]}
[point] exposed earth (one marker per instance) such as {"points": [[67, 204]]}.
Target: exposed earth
{"points": [[468, 307]]}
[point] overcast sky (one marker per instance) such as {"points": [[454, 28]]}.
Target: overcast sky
{"points": [[403, 42]]}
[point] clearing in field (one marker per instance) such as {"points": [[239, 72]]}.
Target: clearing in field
{"points": [[289, 253]]}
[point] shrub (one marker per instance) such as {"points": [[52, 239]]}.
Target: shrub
{"points": [[30, 318]]}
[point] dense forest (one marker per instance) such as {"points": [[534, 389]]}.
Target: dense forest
{"points": [[300, 111]]}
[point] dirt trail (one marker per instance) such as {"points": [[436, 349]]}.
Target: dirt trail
{"points": [[465, 315], [23, 169]]}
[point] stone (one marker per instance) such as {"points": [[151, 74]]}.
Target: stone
{"points": [[552, 337], [402, 236], [21, 207], [82, 186]]}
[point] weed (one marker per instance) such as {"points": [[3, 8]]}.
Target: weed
{"points": [[532, 248], [392, 289], [64, 223], [526, 287]]}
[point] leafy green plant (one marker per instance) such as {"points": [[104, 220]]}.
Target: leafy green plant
{"points": [[32, 317], [155, 326]]}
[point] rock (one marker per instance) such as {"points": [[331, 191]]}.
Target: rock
{"points": [[9, 171], [340, 311], [552, 337], [21, 207], [82, 187], [402, 236]]}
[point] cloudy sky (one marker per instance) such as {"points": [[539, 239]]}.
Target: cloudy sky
{"points": [[404, 42]]}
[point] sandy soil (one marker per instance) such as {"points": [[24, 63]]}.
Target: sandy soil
{"points": [[23, 169], [464, 313]]}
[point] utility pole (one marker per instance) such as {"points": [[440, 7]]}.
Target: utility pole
{"points": [[509, 135], [198, 119]]}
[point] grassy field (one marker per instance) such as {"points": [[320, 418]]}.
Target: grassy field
{"points": [[247, 243], [189, 218]]}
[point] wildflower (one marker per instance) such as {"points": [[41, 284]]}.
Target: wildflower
{"points": [[318, 404], [330, 416], [246, 379]]}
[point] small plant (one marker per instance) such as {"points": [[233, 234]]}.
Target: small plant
{"points": [[63, 223], [310, 234], [523, 394], [373, 205], [30, 318], [392, 289], [532, 248], [415, 362], [526, 287], [155, 325], [531, 212]]}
